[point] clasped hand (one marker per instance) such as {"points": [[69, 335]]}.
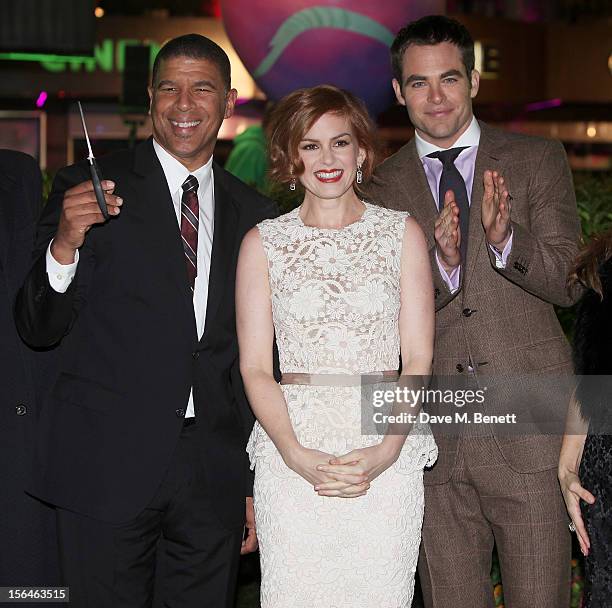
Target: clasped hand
{"points": [[347, 476]]}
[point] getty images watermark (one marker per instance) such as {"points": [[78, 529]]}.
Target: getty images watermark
{"points": [[405, 397], [512, 404]]}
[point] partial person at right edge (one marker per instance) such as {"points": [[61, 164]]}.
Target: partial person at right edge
{"points": [[586, 452]]}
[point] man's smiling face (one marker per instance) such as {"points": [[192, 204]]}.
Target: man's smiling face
{"points": [[437, 92], [189, 101]]}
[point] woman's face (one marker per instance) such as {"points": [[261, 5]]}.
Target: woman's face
{"points": [[330, 153]]}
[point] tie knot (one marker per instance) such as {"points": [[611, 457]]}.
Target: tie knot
{"points": [[190, 184], [447, 157]]}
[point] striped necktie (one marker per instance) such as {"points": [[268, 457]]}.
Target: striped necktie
{"points": [[189, 226]]}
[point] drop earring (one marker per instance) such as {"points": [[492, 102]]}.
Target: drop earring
{"points": [[359, 176], [292, 184]]}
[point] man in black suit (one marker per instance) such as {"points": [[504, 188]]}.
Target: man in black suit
{"points": [[27, 527], [144, 434]]}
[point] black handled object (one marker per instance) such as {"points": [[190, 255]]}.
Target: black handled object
{"points": [[95, 178], [95, 171]]}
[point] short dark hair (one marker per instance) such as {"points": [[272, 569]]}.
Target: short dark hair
{"points": [[194, 46], [431, 30], [295, 114]]}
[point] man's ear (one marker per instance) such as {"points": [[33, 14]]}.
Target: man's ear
{"points": [[230, 102], [475, 82], [398, 92]]}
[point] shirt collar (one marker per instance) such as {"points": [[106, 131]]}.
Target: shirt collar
{"points": [[176, 173], [470, 137]]}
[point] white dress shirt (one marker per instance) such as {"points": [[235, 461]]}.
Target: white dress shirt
{"points": [[61, 275]]}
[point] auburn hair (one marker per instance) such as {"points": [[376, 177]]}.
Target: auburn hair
{"points": [[589, 260], [295, 114]]}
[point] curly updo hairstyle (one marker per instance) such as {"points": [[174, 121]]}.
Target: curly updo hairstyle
{"points": [[295, 114]]}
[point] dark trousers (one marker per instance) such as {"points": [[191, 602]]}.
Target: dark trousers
{"points": [[484, 502], [176, 549]]}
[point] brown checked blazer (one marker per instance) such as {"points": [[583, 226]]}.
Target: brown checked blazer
{"points": [[500, 323]]}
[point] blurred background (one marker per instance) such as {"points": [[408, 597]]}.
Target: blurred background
{"points": [[546, 66], [546, 70]]}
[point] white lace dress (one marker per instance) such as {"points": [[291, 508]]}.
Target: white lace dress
{"points": [[335, 305]]}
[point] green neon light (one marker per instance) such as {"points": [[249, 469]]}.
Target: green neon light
{"points": [[44, 57], [108, 55]]}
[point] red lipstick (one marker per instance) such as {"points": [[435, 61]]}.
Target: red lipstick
{"points": [[329, 176]]}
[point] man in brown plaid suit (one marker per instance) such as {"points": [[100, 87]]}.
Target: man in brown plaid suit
{"points": [[497, 276]]}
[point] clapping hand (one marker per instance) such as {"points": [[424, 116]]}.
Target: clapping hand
{"points": [[448, 234], [496, 209]]}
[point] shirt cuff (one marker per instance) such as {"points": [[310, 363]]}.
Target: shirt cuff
{"points": [[60, 275], [452, 279], [502, 258]]}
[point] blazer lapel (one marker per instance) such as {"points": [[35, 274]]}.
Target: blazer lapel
{"points": [[487, 158], [223, 249], [413, 182], [161, 217]]}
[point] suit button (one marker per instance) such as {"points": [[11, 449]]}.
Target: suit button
{"points": [[180, 413], [459, 367], [195, 354], [467, 312], [21, 410]]}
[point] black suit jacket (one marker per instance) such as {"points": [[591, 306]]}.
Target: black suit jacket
{"points": [[131, 352], [27, 527]]}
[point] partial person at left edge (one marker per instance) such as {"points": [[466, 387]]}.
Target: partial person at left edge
{"points": [[144, 434], [27, 526]]}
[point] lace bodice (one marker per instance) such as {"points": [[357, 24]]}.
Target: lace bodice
{"points": [[335, 293]]}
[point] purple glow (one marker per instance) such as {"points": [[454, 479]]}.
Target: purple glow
{"points": [[40, 102], [543, 105]]}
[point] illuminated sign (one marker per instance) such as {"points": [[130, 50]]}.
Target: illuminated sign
{"points": [[108, 56], [487, 60]]}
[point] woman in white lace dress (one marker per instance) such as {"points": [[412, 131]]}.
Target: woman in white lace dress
{"points": [[343, 286]]}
